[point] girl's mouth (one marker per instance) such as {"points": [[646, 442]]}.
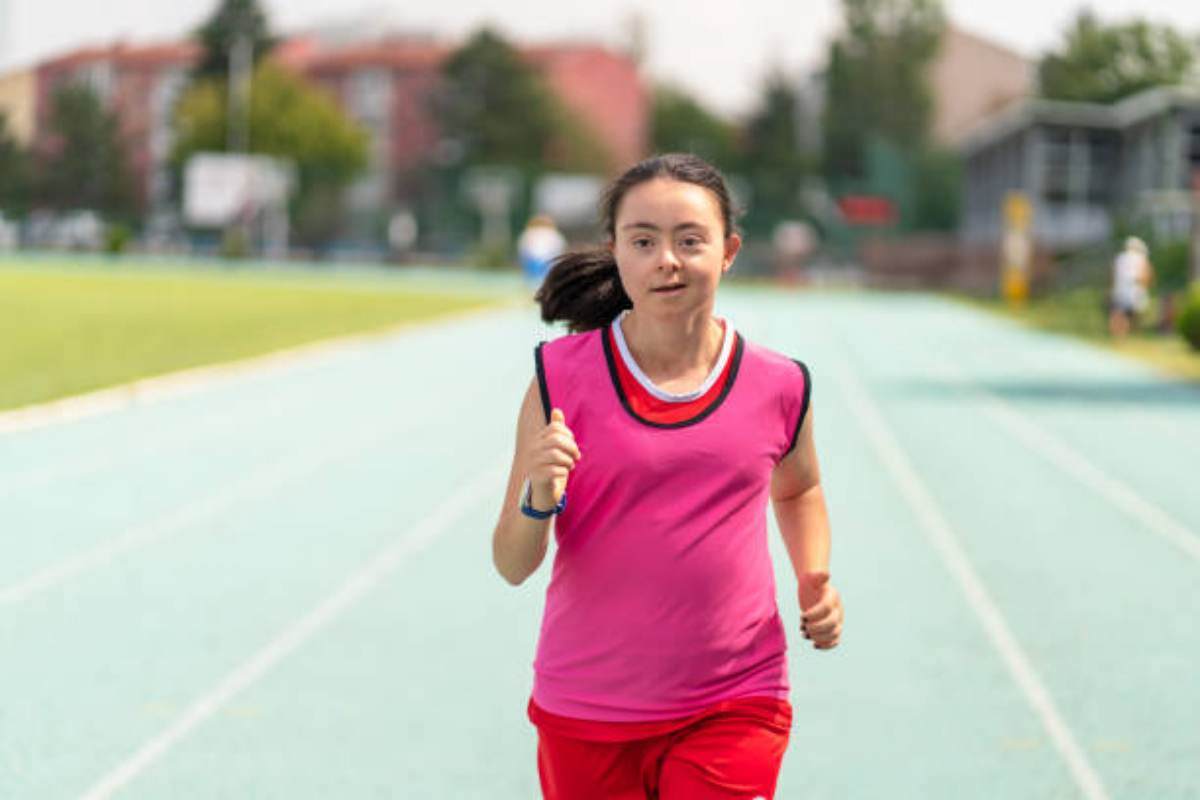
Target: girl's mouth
{"points": [[669, 289]]}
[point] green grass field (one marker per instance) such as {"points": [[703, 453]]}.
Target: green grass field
{"points": [[70, 328]]}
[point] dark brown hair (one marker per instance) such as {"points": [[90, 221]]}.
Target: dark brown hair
{"points": [[583, 288]]}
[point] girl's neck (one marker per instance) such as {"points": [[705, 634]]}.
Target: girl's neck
{"points": [[673, 347]]}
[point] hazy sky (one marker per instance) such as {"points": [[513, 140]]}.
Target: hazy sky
{"points": [[719, 50]]}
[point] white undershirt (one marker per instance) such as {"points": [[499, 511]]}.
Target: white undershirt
{"points": [[648, 385]]}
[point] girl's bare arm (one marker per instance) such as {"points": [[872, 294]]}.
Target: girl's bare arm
{"points": [[799, 506], [544, 454]]}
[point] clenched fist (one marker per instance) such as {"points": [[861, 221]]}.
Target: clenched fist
{"points": [[554, 455], [821, 610]]}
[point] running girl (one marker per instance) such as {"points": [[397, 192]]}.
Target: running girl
{"points": [[654, 436]]}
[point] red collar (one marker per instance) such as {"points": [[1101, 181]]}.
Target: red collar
{"points": [[652, 409]]}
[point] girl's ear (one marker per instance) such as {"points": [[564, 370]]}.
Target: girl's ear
{"points": [[733, 243]]}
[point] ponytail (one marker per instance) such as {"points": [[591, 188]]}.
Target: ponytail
{"points": [[584, 290]]}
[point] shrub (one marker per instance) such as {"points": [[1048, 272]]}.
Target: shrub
{"points": [[117, 238], [1172, 264], [1189, 317], [234, 244], [497, 256]]}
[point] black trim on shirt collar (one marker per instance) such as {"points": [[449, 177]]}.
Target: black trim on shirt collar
{"points": [[803, 405], [543, 389], [610, 359]]}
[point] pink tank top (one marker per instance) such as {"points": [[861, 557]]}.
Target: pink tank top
{"points": [[662, 596]]}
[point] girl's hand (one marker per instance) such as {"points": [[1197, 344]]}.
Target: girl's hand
{"points": [[553, 457], [820, 610]]}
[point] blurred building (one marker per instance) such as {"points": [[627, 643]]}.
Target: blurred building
{"points": [[872, 217], [972, 78], [385, 84], [1082, 165], [141, 85], [17, 104], [604, 90], [388, 86]]}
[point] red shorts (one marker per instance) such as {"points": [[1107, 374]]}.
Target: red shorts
{"points": [[732, 749]]}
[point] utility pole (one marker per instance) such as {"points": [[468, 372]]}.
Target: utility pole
{"points": [[241, 61]]}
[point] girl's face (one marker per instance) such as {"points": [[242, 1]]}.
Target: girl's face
{"points": [[670, 246]]}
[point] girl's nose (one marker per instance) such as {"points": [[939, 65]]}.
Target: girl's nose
{"points": [[668, 261]]}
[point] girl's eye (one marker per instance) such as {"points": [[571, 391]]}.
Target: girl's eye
{"points": [[641, 243], [692, 242]]}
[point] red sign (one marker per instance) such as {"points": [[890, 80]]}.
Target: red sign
{"points": [[867, 209]]}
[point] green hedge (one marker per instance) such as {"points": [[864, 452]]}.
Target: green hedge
{"points": [[1189, 317]]}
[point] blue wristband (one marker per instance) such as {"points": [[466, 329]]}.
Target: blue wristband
{"points": [[529, 511]]}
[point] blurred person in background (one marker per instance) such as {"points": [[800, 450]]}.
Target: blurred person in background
{"points": [[539, 244], [402, 233], [792, 242], [1131, 279]]}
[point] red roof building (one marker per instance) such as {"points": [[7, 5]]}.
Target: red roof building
{"points": [[142, 84], [385, 85], [604, 89]]}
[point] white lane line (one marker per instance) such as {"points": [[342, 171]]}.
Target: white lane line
{"points": [[945, 542], [101, 460], [209, 426], [188, 515], [357, 586], [1141, 511]]}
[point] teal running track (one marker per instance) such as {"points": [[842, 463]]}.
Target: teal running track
{"points": [[279, 585]]}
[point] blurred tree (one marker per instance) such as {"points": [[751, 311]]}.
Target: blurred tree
{"points": [[82, 161], [219, 32], [14, 172], [876, 81], [771, 159], [845, 116], [495, 109], [1104, 63], [938, 184], [574, 147], [288, 119], [681, 124]]}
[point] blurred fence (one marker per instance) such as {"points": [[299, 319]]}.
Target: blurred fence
{"points": [[941, 261]]}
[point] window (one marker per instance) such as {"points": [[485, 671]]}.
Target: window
{"points": [[371, 96], [1056, 162], [98, 76], [1102, 154]]}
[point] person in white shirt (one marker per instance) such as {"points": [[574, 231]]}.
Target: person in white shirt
{"points": [[1132, 276]]}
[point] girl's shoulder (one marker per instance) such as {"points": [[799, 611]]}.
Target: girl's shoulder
{"points": [[786, 366], [569, 339], [568, 345]]}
